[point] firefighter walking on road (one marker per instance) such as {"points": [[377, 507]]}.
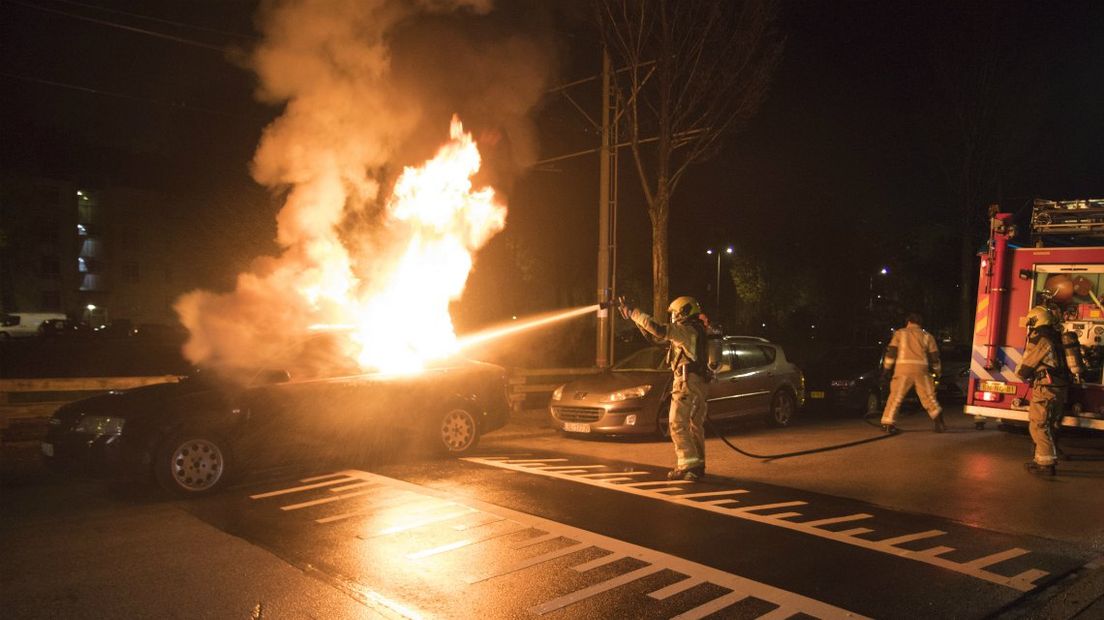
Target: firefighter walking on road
{"points": [[1044, 367], [688, 356], [912, 358]]}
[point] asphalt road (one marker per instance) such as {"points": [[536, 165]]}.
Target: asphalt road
{"points": [[540, 525]]}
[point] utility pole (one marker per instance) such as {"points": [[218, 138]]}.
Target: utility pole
{"points": [[606, 205]]}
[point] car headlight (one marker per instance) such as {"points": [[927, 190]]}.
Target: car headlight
{"points": [[627, 394], [99, 425], [557, 393]]}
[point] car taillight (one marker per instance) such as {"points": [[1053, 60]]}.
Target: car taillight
{"points": [[989, 397]]}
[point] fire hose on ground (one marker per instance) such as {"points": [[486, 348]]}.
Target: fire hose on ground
{"points": [[773, 457]]}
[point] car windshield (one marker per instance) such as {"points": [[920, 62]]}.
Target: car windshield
{"points": [[652, 358]]}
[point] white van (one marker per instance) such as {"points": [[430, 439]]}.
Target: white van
{"points": [[24, 324]]}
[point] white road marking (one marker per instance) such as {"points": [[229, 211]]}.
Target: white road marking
{"points": [[785, 515], [358, 485], [617, 473], [322, 477], [306, 487], [582, 468], [854, 517], [714, 605], [324, 500], [997, 558], [412, 525], [536, 540], [712, 493], [576, 540], [896, 540], [602, 561], [598, 588], [676, 588], [751, 513]]}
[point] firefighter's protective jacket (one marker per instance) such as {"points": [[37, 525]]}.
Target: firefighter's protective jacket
{"points": [[684, 339], [912, 351], [1043, 360]]}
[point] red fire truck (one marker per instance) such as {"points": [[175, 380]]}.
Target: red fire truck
{"points": [[1062, 269]]}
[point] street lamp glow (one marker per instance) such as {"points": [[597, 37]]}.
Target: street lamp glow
{"points": [[728, 250], [90, 307], [709, 252], [885, 271]]}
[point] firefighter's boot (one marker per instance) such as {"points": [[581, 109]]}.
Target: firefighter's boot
{"points": [[890, 429], [937, 423], [1040, 470], [691, 474]]}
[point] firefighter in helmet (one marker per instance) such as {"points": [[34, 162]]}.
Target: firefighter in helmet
{"points": [[912, 359], [688, 356], [1044, 367]]}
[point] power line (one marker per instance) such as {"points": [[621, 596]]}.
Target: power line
{"points": [[102, 22], [107, 93], [160, 20]]}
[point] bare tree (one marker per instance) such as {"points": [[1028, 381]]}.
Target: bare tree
{"points": [[690, 73]]}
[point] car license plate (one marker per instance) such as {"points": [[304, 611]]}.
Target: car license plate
{"points": [[48, 449], [997, 386], [816, 394], [576, 427]]}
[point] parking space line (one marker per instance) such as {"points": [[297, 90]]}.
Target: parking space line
{"points": [[582, 468], [358, 485], [576, 540], [932, 551], [413, 525], [997, 558], [896, 540], [752, 513], [324, 500], [322, 477], [712, 493], [1030, 576], [718, 502], [602, 561], [537, 461], [536, 540], [785, 515], [616, 473], [855, 531], [306, 487], [598, 588], [654, 483], [533, 561], [759, 507], [714, 605], [855, 517], [675, 588], [404, 499], [460, 544]]}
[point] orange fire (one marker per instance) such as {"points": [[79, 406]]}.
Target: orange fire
{"points": [[400, 321]]}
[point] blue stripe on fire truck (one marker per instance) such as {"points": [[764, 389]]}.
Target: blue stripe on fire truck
{"points": [[1007, 360]]}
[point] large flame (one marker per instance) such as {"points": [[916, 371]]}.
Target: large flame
{"points": [[401, 320]]}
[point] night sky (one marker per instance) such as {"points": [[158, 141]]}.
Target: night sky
{"points": [[847, 167]]}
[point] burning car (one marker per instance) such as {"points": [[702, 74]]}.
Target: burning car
{"points": [[753, 379], [194, 436]]}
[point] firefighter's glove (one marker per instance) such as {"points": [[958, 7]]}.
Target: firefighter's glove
{"points": [[623, 308]]}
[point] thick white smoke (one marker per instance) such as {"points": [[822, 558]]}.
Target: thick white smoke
{"points": [[351, 120]]}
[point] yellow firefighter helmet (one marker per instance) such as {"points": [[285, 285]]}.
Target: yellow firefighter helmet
{"points": [[1039, 316], [683, 308]]}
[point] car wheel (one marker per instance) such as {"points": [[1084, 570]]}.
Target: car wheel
{"points": [[663, 420], [455, 432], [192, 464], [782, 408], [873, 404]]}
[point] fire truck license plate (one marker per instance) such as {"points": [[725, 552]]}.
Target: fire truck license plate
{"points": [[998, 387], [816, 394], [576, 427]]}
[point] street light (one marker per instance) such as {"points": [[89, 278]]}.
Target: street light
{"points": [[711, 252]]}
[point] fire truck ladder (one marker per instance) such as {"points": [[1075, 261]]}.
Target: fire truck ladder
{"points": [[1068, 218]]}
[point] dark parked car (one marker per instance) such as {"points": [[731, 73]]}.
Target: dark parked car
{"points": [[194, 435], [753, 379], [63, 328], [846, 378]]}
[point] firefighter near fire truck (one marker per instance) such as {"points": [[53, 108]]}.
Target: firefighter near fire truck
{"points": [[688, 356], [1048, 370], [912, 358]]}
